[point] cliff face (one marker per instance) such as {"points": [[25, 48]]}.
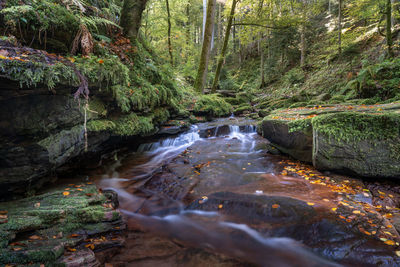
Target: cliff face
{"points": [[39, 131]]}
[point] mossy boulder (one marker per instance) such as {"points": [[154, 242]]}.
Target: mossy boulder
{"points": [[212, 106], [359, 140], [364, 144], [41, 229]]}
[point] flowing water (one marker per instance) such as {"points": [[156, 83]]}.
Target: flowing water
{"points": [[213, 197]]}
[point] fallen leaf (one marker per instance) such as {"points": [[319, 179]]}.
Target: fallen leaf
{"points": [[37, 205], [65, 193], [220, 206], [275, 206], [310, 204], [390, 242], [356, 211], [35, 237], [71, 249]]}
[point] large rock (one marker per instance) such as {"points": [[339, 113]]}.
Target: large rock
{"points": [[297, 143], [39, 132], [58, 226], [359, 140], [318, 228], [362, 144]]}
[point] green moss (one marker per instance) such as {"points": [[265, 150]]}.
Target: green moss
{"points": [[37, 73], [160, 115], [80, 210], [351, 126], [242, 108], [133, 124], [212, 105], [303, 125], [97, 106], [100, 125]]}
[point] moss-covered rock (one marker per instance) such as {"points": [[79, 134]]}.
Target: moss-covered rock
{"points": [[364, 144], [362, 140], [39, 229], [212, 105]]}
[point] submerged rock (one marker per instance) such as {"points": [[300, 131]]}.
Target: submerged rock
{"points": [[323, 231]]}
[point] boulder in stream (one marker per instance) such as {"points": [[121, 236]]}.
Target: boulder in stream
{"points": [[357, 140]]}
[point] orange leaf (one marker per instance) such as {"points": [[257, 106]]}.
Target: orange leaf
{"points": [[390, 242], [65, 193], [275, 206]]}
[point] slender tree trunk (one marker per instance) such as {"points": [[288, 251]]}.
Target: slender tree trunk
{"points": [[169, 33], [131, 17], [340, 26], [302, 45], [303, 35], [394, 7], [389, 39], [188, 23], [224, 47], [262, 85], [234, 36], [205, 52]]}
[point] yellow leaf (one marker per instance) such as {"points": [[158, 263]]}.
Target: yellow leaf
{"points": [[398, 253], [310, 204], [334, 209], [220, 206], [65, 193], [356, 212], [390, 243]]}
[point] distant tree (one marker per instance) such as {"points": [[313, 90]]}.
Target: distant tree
{"points": [[224, 47], [205, 52]]}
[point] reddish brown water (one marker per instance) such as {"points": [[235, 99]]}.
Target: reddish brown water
{"points": [[223, 201]]}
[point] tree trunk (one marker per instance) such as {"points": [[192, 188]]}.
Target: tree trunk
{"points": [[131, 17], [389, 39], [262, 85], [340, 27], [169, 33], [224, 47], [205, 52], [302, 45], [188, 23]]}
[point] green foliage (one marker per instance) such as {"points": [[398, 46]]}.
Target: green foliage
{"points": [[212, 105], [59, 16], [351, 126], [103, 71], [379, 80], [133, 124], [32, 74], [294, 76]]}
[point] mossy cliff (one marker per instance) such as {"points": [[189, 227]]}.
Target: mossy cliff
{"points": [[361, 140], [43, 127]]}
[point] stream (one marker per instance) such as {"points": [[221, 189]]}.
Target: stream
{"points": [[213, 196]]}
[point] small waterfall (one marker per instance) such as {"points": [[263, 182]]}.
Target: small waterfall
{"points": [[185, 139]]}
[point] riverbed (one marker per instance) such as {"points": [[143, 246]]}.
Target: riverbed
{"points": [[213, 196]]}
